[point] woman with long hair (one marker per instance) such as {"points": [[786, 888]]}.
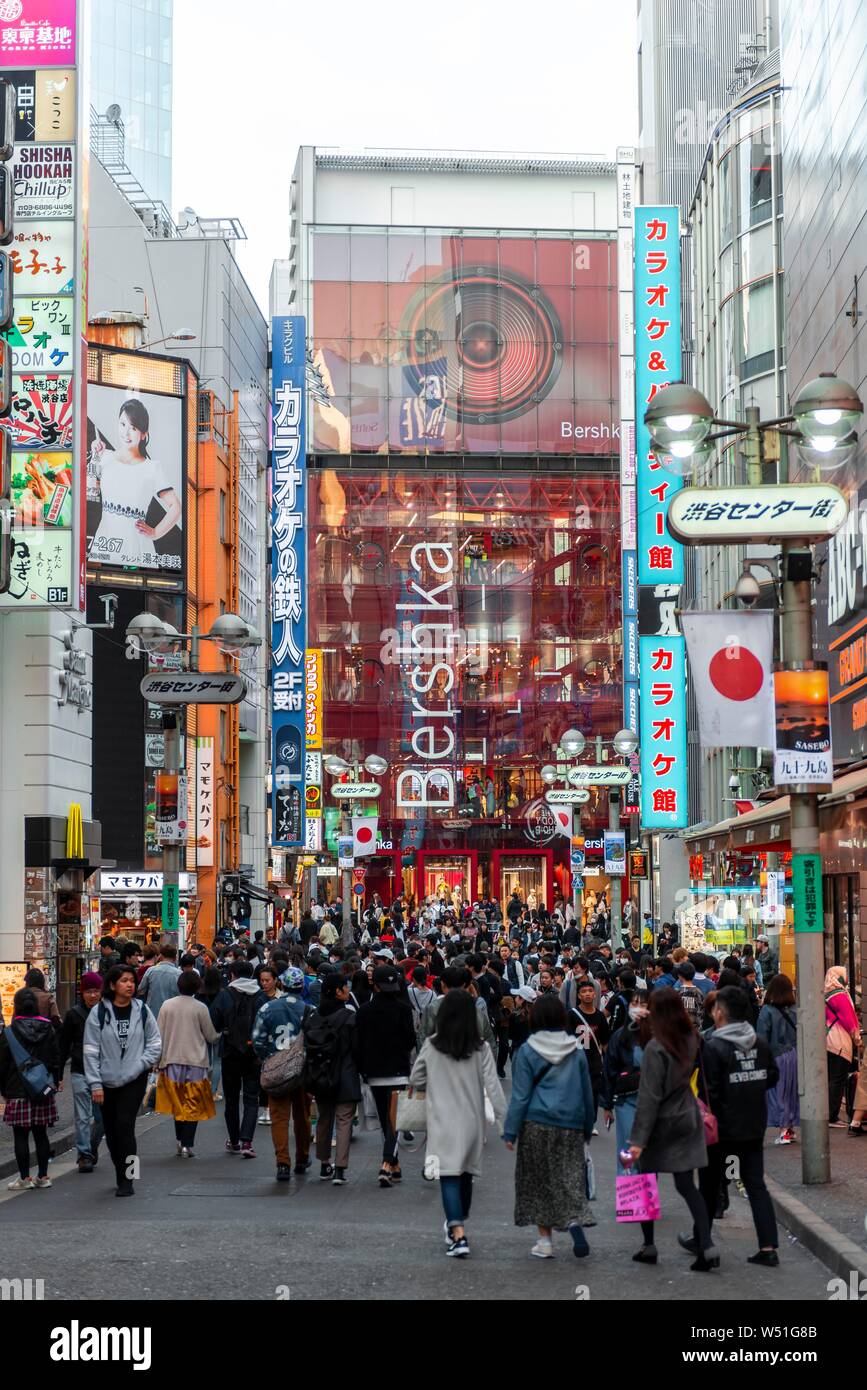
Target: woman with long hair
{"points": [[455, 1068], [551, 1117], [842, 1039], [127, 479], [34, 1033], [778, 1025], [621, 1073], [668, 1132], [183, 1088]]}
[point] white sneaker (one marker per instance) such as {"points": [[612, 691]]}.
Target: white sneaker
{"points": [[783, 1139], [21, 1184], [543, 1250], [264, 1118], [42, 1182]]}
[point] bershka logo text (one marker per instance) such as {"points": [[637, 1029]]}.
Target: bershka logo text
{"points": [[77, 1343]]}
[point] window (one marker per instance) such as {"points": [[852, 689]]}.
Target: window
{"points": [[754, 158], [224, 535], [757, 328], [224, 739], [725, 200]]}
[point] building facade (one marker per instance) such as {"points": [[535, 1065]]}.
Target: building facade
{"points": [[131, 68], [463, 499]]}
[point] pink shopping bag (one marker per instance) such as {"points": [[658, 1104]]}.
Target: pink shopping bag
{"points": [[637, 1197]]}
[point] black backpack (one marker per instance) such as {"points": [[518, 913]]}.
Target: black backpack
{"points": [[238, 1035], [323, 1062]]}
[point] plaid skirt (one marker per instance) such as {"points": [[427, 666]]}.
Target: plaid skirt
{"points": [[28, 1113]]}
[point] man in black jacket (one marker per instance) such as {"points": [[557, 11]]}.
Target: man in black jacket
{"points": [[386, 1037], [739, 1070], [88, 1117]]}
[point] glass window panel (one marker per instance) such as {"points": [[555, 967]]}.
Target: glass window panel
{"points": [[725, 196], [757, 327], [518, 259], [757, 253], [727, 276], [406, 257], [754, 160], [329, 253], [554, 261], [368, 311], [368, 255], [331, 317]]}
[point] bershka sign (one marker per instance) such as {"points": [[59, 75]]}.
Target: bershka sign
{"points": [[433, 642], [77, 1343]]}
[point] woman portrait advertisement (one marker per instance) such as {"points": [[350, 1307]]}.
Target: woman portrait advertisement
{"points": [[125, 478]]}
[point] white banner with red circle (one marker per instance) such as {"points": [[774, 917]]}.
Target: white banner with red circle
{"points": [[731, 658]]}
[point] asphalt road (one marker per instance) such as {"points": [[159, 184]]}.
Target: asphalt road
{"points": [[220, 1227]]}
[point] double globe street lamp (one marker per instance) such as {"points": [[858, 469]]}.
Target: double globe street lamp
{"points": [[571, 746], [338, 767]]}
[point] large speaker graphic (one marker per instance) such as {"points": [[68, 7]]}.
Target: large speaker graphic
{"points": [[483, 346]]}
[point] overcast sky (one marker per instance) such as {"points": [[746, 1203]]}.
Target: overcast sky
{"points": [[252, 82]]}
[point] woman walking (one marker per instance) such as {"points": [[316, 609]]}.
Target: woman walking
{"points": [[386, 1038], [183, 1088], [843, 1038], [455, 1068], [36, 1035], [121, 1045], [621, 1075], [331, 1030], [207, 993], [667, 1132], [778, 1025], [551, 1116]]}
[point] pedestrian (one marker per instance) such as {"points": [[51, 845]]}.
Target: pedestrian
{"points": [[737, 1070], [420, 997], [386, 1038], [46, 1004], [121, 1045], [108, 955], [278, 1023], [550, 1117], [233, 1014], [778, 1027], [88, 1117], [842, 1040], [35, 1035], [691, 997], [183, 1087], [269, 978], [667, 1132], [160, 982], [621, 1074], [455, 1068], [331, 1075], [592, 1032]]}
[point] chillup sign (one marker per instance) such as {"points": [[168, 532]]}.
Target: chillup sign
{"points": [[433, 641]]}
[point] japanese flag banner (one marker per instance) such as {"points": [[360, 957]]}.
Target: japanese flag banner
{"points": [[364, 834], [562, 818], [731, 667]]}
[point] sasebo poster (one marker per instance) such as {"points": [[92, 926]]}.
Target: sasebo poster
{"points": [[135, 483]]}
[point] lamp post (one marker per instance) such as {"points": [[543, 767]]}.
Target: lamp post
{"points": [[339, 767], [572, 745], [148, 633], [822, 422]]}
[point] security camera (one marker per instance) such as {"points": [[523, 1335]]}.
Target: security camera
{"points": [[734, 782], [109, 602], [747, 589]]}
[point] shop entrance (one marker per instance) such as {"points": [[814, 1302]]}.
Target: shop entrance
{"points": [[842, 906], [381, 875], [530, 873], [448, 876]]}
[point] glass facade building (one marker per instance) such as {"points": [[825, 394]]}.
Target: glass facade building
{"points": [[131, 66], [464, 534]]}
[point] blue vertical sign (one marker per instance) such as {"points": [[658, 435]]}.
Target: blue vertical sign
{"points": [[657, 362], [663, 733], [288, 568]]}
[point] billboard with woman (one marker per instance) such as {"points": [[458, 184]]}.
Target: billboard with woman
{"points": [[135, 479]]}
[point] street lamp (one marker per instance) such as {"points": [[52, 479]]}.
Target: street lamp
{"points": [[822, 423], [336, 766]]}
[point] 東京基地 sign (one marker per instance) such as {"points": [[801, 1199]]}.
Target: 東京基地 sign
{"points": [[193, 688], [599, 776], [772, 512]]}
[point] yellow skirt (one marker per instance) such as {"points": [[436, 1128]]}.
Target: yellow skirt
{"points": [[185, 1100]]}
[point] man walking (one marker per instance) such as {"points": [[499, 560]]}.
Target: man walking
{"points": [[276, 1027], [233, 1014]]}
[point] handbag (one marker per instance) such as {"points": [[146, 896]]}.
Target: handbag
{"points": [[283, 1071], [637, 1197], [35, 1076], [708, 1118], [411, 1110]]}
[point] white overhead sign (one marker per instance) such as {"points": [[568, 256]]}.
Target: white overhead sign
{"points": [[599, 776], [567, 798], [194, 688], [353, 791], [113, 884], [772, 512]]}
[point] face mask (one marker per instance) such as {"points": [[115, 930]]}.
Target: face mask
{"points": [[636, 1012]]}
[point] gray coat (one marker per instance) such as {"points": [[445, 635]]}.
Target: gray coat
{"points": [[668, 1124], [104, 1062], [158, 983], [456, 1106]]}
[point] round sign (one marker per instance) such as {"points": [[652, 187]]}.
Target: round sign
{"points": [[312, 796], [358, 890]]}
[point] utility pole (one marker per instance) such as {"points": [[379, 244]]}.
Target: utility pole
{"points": [[172, 850], [616, 882], [347, 937]]}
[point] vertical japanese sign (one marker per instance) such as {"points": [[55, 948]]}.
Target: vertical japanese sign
{"points": [[288, 540], [663, 733], [313, 698], [807, 893], [626, 338], [204, 803], [657, 362], [43, 44]]}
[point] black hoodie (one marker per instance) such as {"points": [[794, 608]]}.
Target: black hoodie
{"points": [[36, 1036], [386, 1036], [738, 1071]]}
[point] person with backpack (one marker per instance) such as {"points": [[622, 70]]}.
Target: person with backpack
{"points": [[121, 1045], [233, 1013], [331, 1075], [691, 996], [88, 1117], [279, 1045], [419, 997], [30, 1074]]}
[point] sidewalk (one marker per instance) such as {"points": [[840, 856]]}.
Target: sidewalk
{"points": [[829, 1219], [62, 1136]]}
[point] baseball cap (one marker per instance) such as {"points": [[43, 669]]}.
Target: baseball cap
{"points": [[387, 979], [293, 978], [379, 952], [524, 992]]}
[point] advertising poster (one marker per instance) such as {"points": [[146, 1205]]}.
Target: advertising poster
{"points": [[43, 181], [204, 802], [313, 698], [802, 753], [288, 616], [41, 569], [615, 852], [41, 32], [42, 488], [44, 103], [170, 815], [11, 980], [40, 337], [42, 258], [42, 408], [135, 479]]}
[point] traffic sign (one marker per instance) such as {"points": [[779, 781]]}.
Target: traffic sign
{"points": [[568, 798], [193, 688], [576, 859], [577, 881], [355, 791], [358, 890]]}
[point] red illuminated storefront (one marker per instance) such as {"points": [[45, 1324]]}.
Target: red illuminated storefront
{"points": [[464, 585]]}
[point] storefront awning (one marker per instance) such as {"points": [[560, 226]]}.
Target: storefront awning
{"points": [[767, 826]]}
